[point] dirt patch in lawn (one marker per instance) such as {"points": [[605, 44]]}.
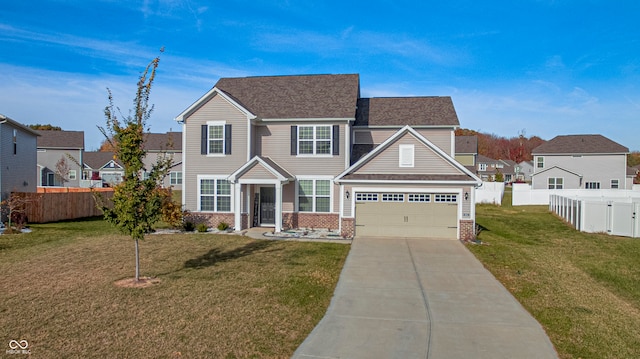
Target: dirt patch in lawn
{"points": [[143, 282]]}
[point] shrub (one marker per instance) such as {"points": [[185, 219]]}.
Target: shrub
{"points": [[188, 226], [202, 227], [223, 226]]}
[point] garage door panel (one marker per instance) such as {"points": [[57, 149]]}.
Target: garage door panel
{"points": [[406, 219]]}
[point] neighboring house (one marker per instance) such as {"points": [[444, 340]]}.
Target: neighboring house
{"points": [[580, 161], [102, 166], [308, 152], [487, 168], [524, 170], [467, 151], [632, 174], [55, 147], [18, 164], [165, 144]]}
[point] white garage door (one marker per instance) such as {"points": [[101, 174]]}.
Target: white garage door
{"points": [[407, 215]]}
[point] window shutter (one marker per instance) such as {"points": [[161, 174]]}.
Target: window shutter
{"points": [[227, 139], [294, 140], [203, 139], [336, 140]]}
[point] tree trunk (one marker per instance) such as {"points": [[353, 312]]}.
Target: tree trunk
{"points": [[137, 261]]}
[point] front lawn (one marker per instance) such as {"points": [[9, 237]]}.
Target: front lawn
{"points": [[219, 296], [583, 288]]}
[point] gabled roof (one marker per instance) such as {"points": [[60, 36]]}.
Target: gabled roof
{"points": [[61, 139], [557, 167], [162, 141], [289, 97], [580, 144], [267, 163], [17, 124], [466, 144], [485, 159], [97, 160], [401, 111], [632, 171], [465, 174]]}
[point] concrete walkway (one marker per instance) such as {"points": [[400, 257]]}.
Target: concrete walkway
{"points": [[422, 298]]}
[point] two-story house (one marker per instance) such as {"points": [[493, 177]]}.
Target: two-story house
{"points": [[60, 155], [102, 166], [467, 151], [165, 144], [17, 158], [308, 152], [580, 161]]}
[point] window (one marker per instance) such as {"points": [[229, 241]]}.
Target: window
{"points": [[175, 178], [615, 184], [406, 154], [555, 183], [72, 175], [145, 175], [366, 197], [447, 198], [314, 140], [482, 167], [215, 195], [215, 138], [540, 162], [392, 197], [15, 142], [419, 197], [592, 185], [314, 195]]}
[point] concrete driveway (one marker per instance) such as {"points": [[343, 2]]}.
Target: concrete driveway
{"points": [[422, 298]]}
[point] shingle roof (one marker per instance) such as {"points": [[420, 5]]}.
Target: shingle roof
{"points": [[466, 144], [5, 119], [303, 96], [401, 111], [579, 144], [61, 139], [161, 141], [97, 159]]}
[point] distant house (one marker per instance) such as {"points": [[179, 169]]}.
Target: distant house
{"points": [[467, 151], [102, 166], [55, 147], [18, 161], [524, 170], [580, 161], [166, 144], [487, 169]]}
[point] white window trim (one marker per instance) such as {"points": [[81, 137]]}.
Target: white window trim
{"points": [[214, 177], [314, 140], [171, 178], [406, 156], [617, 181], [592, 185], [539, 162], [216, 123], [555, 182], [314, 178], [73, 175], [482, 167]]}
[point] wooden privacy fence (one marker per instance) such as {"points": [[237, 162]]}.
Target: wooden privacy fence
{"points": [[58, 204]]}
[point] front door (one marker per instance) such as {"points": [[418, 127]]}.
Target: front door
{"points": [[267, 205]]}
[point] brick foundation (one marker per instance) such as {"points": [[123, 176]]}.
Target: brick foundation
{"points": [[210, 219], [467, 230], [348, 227], [309, 220]]}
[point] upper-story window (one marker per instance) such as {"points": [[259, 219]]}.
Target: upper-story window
{"points": [[15, 141], [215, 138], [482, 167], [615, 184], [310, 140], [540, 162]]}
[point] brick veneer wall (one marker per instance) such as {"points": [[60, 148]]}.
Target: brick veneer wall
{"points": [[309, 220], [467, 230], [211, 219], [348, 227]]}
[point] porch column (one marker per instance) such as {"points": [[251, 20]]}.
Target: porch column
{"points": [[237, 198], [278, 207]]}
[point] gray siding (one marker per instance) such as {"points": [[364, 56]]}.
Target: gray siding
{"points": [[569, 180], [152, 158], [216, 109], [17, 172], [439, 137], [274, 141], [48, 158], [592, 168], [426, 161]]}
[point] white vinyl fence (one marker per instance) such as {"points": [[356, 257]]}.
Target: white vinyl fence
{"points": [[524, 195], [490, 192], [616, 216]]}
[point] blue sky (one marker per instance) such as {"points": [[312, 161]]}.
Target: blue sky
{"points": [[545, 67]]}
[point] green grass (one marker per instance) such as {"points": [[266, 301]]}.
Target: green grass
{"points": [[218, 296], [583, 288]]}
